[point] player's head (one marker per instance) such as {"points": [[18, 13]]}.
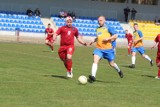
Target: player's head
{"points": [[69, 21], [126, 31], [101, 20], [135, 26], [49, 25]]}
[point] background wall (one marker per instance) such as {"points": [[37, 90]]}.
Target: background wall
{"points": [[81, 8]]}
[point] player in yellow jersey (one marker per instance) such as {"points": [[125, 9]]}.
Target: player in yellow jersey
{"points": [[105, 36], [138, 46]]}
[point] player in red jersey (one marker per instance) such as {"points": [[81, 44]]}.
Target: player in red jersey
{"points": [[66, 50], [157, 43], [49, 37], [129, 38]]}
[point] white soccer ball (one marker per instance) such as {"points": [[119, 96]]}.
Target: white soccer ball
{"points": [[82, 79]]}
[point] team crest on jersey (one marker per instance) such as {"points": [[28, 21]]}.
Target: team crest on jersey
{"points": [[99, 33]]}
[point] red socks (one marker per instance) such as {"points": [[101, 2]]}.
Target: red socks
{"points": [[68, 64], [158, 72]]}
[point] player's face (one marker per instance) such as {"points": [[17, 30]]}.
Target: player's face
{"points": [[69, 23], [101, 21], [135, 27], [49, 26]]}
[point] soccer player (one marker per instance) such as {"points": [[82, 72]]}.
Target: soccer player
{"points": [[105, 36], [157, 43], [49, 37], [129, 38], [138, 46], [66, 50]]}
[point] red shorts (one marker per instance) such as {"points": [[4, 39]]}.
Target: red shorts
{"points": [[64, 50], [50, 40]]}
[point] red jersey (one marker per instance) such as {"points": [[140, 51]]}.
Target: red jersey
{"points": [[49, 30], [67, 35], [157, 40], [129, 37]]}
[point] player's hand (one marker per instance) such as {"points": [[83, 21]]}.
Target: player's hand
{"points": [[85, 44], [91, 43], [152, 47]]}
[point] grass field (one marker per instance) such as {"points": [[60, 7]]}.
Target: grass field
{"points": [[32, 76]]}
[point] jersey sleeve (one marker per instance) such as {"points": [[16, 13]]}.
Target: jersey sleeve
{"points": [[140, 34], [59, 31], [76, 33], [111, 30]]}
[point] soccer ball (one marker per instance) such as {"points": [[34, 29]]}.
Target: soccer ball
{"points": [[82, 79]]}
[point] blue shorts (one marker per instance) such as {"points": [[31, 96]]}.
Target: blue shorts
{"points": [[106, 54], [141, 50]]}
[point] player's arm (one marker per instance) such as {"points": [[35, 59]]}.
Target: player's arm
{"points": [[95, 40], [155, 44], [113, 34], [55, 36], [79, 39], [111, 38]]}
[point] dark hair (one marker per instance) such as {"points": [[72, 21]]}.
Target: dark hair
{"points": [[49, 24]]}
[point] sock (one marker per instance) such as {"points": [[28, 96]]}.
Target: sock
{"points": [[94, 69], [49, 45], [52, 47], [69, 65], [158, 72], [129, 50], [133, 60], [147, 57], [116, 67]]}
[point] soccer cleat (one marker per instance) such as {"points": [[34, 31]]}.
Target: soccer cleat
{"points": [[151, 62], [120, 74], [91, 79], [132, 66], [69, 75], [157, 77]]}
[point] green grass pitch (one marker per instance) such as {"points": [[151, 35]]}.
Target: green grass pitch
{"points": [[32, 76]]}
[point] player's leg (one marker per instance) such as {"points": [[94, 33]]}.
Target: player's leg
{"points": [[129, 48], [51, 44], [142, 52], [62, 52], [70, 51], [110, 57], [133, 58], [48, 43], [158, 65], [97, 55], [115, 66]]}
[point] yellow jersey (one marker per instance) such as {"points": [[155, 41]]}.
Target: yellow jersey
{"points": [[137, 35], [102, 33]]}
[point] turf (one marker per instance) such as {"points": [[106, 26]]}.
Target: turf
{"points": [[32, 76]]}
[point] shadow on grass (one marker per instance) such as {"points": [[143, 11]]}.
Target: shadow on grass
{"points": [[150, 76], [56, 76], [125, 66], [114, 82], [46, 51]]}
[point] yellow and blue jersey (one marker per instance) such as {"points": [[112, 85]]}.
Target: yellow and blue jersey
{"points": [[137, 35], [102, 33]]}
